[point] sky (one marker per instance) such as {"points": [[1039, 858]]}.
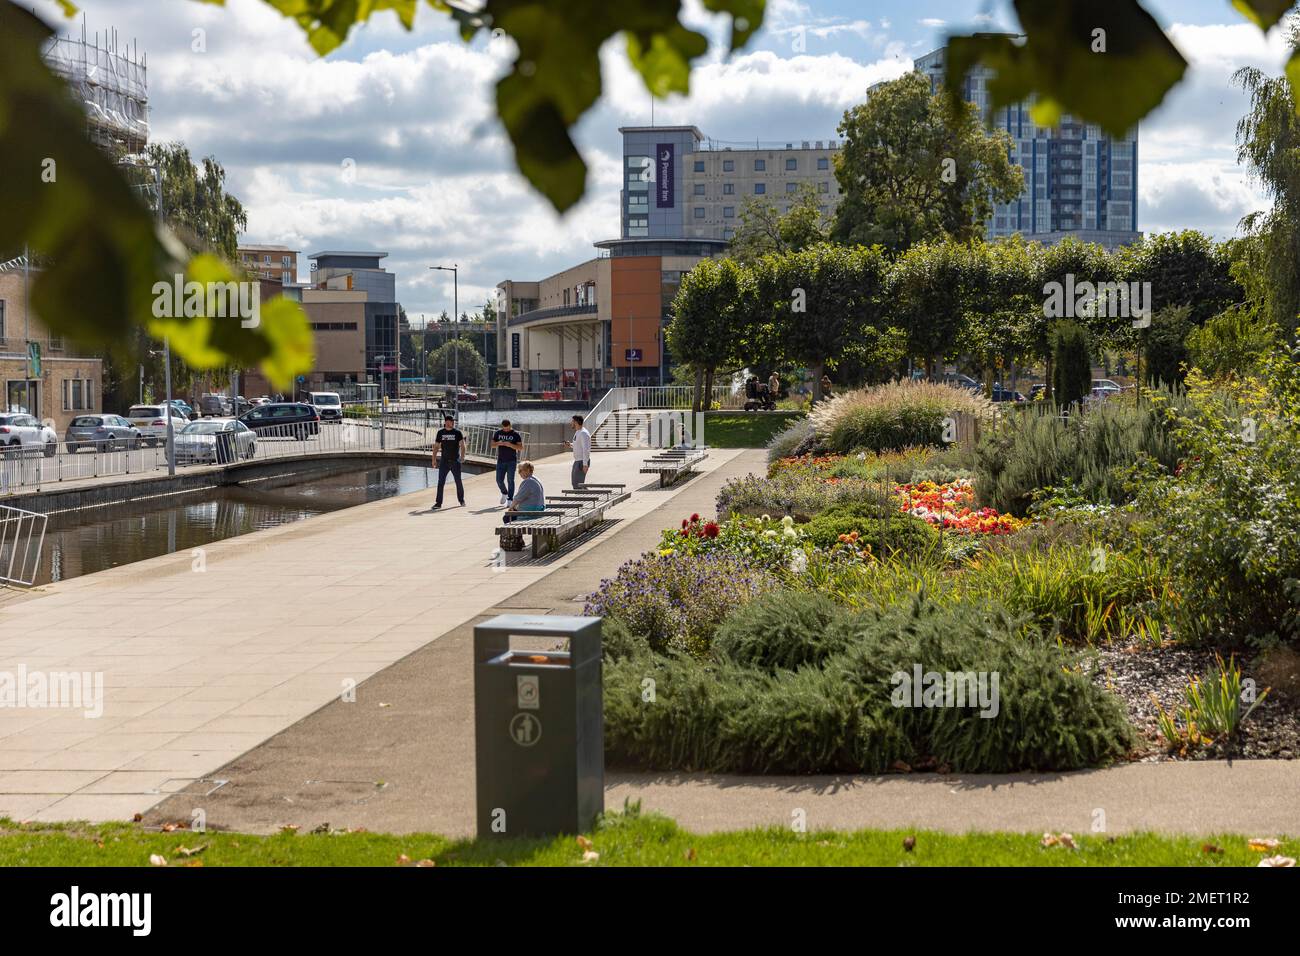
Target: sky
{"points": [[391, 142]]}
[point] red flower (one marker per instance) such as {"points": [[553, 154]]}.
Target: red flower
{"points": [[694, 518], [711, 529], [684, 524]]}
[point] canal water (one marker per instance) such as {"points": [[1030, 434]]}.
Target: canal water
{"points": [[83, 542]]}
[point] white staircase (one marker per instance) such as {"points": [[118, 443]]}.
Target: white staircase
{"points": [[627, 428]]}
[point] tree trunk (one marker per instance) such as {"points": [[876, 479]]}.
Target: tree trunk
{"points": [[697, 398], [1048, 387], [817, 373], [708, 389]]}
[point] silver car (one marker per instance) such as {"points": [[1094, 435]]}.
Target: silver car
{"points": [[216, 441], [102, 433]]}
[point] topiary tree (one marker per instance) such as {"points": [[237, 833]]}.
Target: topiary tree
{"points": [[1071, 364]]}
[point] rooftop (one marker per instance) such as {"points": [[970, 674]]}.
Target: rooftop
{"points": [[356, 254]]}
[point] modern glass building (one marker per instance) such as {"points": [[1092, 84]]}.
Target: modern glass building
{"points": [[1078, 180]]}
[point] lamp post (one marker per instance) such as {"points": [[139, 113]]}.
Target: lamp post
{"points": [[455, 318]]}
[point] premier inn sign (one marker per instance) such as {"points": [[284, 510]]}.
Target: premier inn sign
{"points": [[664, 174]]}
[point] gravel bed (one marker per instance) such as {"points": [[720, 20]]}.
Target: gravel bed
{"points": [[1137, 673]]}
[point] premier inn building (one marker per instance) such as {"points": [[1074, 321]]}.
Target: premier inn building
{"points": [[601, 323]]}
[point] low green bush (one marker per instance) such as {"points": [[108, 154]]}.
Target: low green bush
{"points": [[894, 415], [895, 534], [783, 629], [853, 711]]}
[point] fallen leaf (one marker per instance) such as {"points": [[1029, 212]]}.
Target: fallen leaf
{"points": [[323, 828], [900, 766], [186, 851], [169, 827], [385, 705], [403, 859], [137, 818], [1068, 840], [1262, 844], [1049, 840], [192, 863], [909, 843], [156, 860], [1211, 848], [426, 863], [1277, 861], [289, 828]]}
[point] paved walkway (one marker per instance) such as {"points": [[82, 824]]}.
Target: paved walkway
{"points": [[401, 758], [204, 657]]}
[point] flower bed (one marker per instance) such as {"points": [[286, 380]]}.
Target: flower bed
{"points": [[950, 506]]}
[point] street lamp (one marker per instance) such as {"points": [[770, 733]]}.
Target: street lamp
{"points": [[455, 318]]}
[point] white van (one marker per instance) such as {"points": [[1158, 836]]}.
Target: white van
{"points": [[327, 405]]}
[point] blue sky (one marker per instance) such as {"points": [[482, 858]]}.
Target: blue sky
{"points": [[434, 177]]}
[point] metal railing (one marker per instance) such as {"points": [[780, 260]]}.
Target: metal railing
{"points": [[22, 536], [681, 396], [30, 468]]}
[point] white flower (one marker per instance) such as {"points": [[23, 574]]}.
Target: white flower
{"points": [[799, 562], [787, 521]]}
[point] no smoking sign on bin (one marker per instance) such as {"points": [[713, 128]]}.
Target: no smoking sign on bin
{"points": [[538, 736]]}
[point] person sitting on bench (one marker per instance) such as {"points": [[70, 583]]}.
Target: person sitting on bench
{"points": [[529, 496]]}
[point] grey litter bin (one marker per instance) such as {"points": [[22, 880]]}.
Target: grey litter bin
{"points": [[538, 734]]}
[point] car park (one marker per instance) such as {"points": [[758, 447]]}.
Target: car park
{"points": [[216, 441], [151, 421], [101, 433], [27, 433], [327, 404], [214, 404], [184, 408], [283, 420]]}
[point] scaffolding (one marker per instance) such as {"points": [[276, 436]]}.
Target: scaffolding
{"points": [[110, 83]]}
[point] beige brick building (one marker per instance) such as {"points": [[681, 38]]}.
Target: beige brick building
{"points": [[68, 382]]}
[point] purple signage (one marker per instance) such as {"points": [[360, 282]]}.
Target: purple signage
{"points": [[664, 175]]}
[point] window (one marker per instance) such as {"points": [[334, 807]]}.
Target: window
{"points": [[638, 202], [728, 189], [728, 212], [699, 212], [728, 165], [791, 163], [760, 189], [791, 187], [699, 165], [266, 260], [285, 278], [823, 162], [284, 261], [728, 234], [760, 165], [823, 187], [699, 189]]}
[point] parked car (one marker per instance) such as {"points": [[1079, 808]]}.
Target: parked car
{"points": [[239, 405], [213, 404], [151, 421], [1001, 394], [1037, 392], [283, 420], [184, 408], [216, 441], [101, 433], [327, 404], [27, 433], [1104, 388]]}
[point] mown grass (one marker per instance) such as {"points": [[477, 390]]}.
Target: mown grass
{"points": [[744, 429], [621, 840]]}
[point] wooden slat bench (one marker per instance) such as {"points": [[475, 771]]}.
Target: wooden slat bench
{"points": [[671, 463], [567, 515]]}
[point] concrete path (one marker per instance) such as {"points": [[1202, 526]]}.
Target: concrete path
{"points": [[204, 655], [401, 758]]}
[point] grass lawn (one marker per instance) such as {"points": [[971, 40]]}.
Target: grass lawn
{"points": [[623, 840], [744, 429]]}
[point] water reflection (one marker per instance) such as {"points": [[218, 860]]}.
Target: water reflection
{"points": [[84, 542]]}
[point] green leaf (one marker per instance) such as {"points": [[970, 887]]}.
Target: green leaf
{"points": [[1263, 13], [1112, 78], [664, 59], [1293, 77]]}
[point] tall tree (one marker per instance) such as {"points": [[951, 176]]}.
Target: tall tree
{"points": [[764, 229], [913, 169], [929, 296], [1184, 268], [1268, 143], [1063, 268], [824, 300], [195, 199], [711, 307]]}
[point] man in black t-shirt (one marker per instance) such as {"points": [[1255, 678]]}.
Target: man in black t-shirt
{"points": [[509, 444], [448, 453]]}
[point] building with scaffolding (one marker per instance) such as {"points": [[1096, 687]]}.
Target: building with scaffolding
{"points": [[110, 81]]}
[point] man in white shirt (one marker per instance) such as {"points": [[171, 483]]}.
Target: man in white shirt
{"points": [[581, 446]]}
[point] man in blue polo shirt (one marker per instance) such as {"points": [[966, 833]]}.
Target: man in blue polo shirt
{"points": [[509, 444]]}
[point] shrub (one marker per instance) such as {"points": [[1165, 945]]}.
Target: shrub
{"points": [[897, 534], [676, 601], [798, 493], [892, 416], [1071, 364], [847, 715], [1034, 449], [789, 440], [783, 629]]}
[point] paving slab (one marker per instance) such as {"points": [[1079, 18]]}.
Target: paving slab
{"points": [[198, 667]]}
